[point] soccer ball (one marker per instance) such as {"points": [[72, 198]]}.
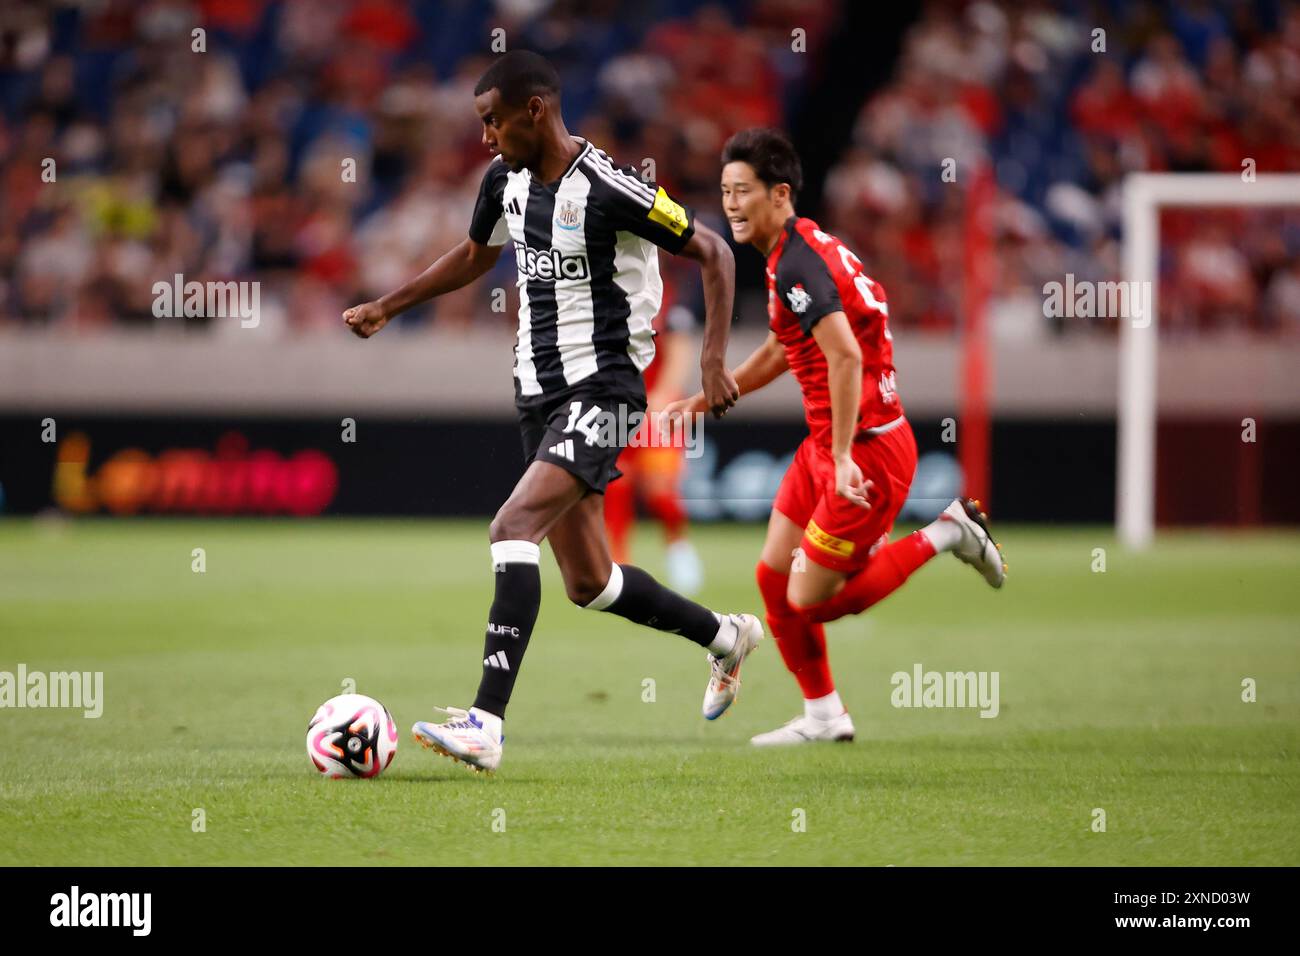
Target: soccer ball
{"points": [[352, 735]]}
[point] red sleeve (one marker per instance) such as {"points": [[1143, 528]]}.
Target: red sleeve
{"points": [[805, 284]]}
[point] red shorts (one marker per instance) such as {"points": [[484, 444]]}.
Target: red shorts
{"points": [[838, 534]]}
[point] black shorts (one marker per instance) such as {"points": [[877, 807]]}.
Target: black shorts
{"points": [[584, 428]]}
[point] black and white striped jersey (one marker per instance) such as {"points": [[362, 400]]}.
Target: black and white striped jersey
{"points": [[585, 248]]}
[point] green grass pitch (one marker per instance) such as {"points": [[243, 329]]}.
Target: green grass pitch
{"points": [[1119, 691]]}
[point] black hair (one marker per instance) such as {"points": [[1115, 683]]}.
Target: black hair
{"points": [[771, 155], [518, 76]]}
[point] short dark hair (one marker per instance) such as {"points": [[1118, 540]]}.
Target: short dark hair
{"points": [[771, 155], [518, 76]]}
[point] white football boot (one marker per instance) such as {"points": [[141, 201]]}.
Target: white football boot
{"points": [[977, 547], [806, 730], [463, 738], [724, 679]]}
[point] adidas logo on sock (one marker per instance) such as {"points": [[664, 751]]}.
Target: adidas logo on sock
{"points": [[563, 449], [497, 660]]}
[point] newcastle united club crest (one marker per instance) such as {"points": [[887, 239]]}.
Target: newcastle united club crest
{"points": [[569, 215]]}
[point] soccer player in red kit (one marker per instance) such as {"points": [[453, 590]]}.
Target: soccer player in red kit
{"points": [[827, 552]]}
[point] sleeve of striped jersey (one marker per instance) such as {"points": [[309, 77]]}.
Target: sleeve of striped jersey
{"points": [[487, 226], [644, 208], [806, 286]]}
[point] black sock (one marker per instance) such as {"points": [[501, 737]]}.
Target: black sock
{"points": [[510, 622], [633, 594]]}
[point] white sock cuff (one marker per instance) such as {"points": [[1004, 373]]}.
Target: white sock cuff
{"points": [[943, 534], [515, 552], [724, 641], [491, 722], [824, 708], [613, 588], [933, 537]]}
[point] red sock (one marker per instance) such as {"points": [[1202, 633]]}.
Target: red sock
{"points": [[885, 572], [620, 512], [668, 509], [802, 644]]}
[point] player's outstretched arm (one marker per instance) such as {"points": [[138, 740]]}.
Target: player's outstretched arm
{"points": [[718, 267], [454, 269], [835, 337], [766, 364]]}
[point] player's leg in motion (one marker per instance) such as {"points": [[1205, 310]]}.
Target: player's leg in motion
{"points": [[844, 567], [549, 501], [826, 594], [593, 581], [542, 496], [802, 643], [850, 569]]}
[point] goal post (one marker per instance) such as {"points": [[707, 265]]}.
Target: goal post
{"points": [[1145, 194]]}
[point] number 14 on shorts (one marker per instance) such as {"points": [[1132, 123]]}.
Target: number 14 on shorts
{"points": [[591, 423]]}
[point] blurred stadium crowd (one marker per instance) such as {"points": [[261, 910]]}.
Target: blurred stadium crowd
{"points": [[232, 163], [1180, 87]]}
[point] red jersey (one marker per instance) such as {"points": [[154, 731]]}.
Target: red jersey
{"points": [[811, 274]]}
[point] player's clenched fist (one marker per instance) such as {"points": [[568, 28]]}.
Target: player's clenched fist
{"points": [[365, 319], [720, 390]]}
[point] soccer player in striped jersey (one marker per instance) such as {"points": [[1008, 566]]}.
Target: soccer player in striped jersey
{"points": [[837, 503], [584, 232]]}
